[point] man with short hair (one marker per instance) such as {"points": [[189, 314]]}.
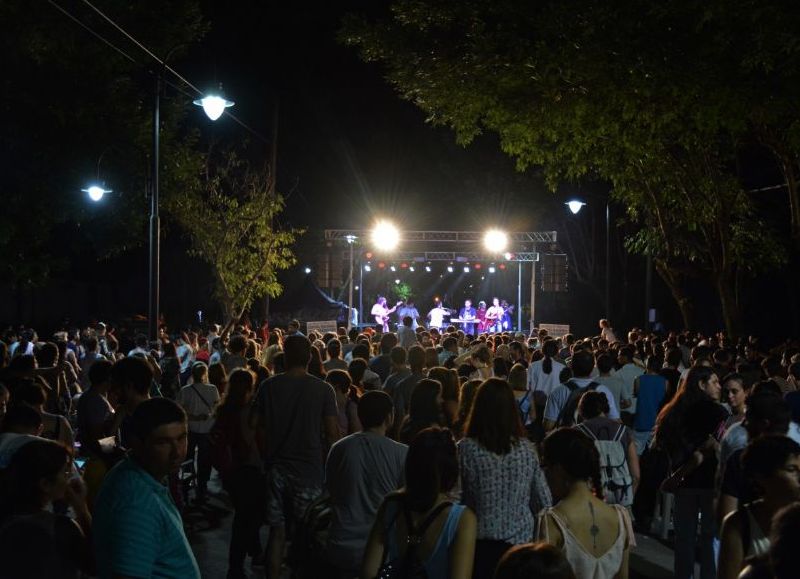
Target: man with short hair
{"points": [[293, 412], [293, 328], [360, 471], [382, 364], [334, 361], [235, 356], [141, 346], [449, 349], [95, 415], [406, 334], [399, 371], [371, 380], [137, 529], [199, 399], [402, 393], [129, 385], [91, 356]]}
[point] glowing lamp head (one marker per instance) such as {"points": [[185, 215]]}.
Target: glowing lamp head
{"points": [[495, 241], [575, 206], [96, 192], [307, 270], [491, 269], [213, 105], [385, 236]]}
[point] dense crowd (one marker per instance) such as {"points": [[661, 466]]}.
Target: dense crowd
{"points": [[416, 453]]}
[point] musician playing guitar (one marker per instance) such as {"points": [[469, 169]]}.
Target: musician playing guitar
{"points": [[494, 317], [381, 313]]}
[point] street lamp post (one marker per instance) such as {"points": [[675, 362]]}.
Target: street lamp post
{"points": [[351, 239], [155, 222], [575, 207]]}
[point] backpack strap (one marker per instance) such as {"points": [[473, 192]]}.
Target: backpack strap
{"points": [[586, 431], [620, 433]]}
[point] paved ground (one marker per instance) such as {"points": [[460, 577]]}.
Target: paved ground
{"points": [[208, 527]]}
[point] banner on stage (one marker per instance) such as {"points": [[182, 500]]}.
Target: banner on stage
{"points": [[555, 330], [321, 327]]}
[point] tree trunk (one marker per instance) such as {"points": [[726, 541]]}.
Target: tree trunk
{"points": [[674, 282], [731, 314]]}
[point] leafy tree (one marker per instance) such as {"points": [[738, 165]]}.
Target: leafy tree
{"points": [[230, 221], [642, 95], [75, 110]]}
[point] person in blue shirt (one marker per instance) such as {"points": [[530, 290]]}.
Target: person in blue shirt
{"points": [[137, 528]]}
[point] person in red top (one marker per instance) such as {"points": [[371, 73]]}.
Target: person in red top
{"points": [[236, 457]]}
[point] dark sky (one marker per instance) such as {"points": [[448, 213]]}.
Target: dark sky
{"points": [[349, 147]]}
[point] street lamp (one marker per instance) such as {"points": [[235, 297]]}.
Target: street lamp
{"points": [[575, 206], [96, 192], [495, 241], [351, 240], [213, 105], [385, 236]]}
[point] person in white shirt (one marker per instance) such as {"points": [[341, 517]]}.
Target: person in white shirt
{"points": [[544, 375], [607, 332], [185, 357], [199, 399], [141, 344], [410, 310], [494, 317], [436, 316]]}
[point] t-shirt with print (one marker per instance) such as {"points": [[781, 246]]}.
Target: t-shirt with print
{"points": [[292, 409]]}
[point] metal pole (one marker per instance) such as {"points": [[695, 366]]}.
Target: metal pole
{"points": [[519, 297], [533, 294], [608, 261], [360, 290], [350, 292], [155, 225]]}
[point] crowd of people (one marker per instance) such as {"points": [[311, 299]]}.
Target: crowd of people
{"points": [[375, 454]]}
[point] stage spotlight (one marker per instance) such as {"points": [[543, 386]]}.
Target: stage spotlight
{"points": [[491, 269], [307, 270], [385, 236], [508, 256], [466, 269], [411, 268], [575, 206], [367, 267], [502, 266], [381, 265], [404, 265], [428, 268], [495, 240], [392, 268], [397, 282], [356, 288], [449, 269], [477, 266]]}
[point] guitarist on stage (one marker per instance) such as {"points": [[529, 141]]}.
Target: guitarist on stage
{"points": [[381, 313], [494, 317]]}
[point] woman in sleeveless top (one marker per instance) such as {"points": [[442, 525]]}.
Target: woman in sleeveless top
{"points": [[447, 530], [595, 537], [771, 464]]}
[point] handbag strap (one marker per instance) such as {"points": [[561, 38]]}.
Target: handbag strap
{"points": [[203, 398]]}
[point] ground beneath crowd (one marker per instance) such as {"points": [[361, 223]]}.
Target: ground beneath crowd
{"points": [[208, 527]]}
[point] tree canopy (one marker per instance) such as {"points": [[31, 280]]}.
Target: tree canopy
{"points": [[651, 97]]}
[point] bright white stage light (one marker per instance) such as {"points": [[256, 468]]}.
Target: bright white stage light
{"points": [[411, 268], [392, 268], [385, 236], [356, 288], [495, 240], [368, 267], [575, 206], [466, 269], [397, 282], [307, 270], [449, 269], [428, 268], [491, 269]]}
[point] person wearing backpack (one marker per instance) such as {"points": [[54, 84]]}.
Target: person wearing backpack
{"points": [[418, 532], [562, 403], [619, 463]]}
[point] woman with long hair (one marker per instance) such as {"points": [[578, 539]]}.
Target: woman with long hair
{"points": [[240, 467], [735, 390], [34, 541], [688, 430], [595, 537], [494, 449], [465, 397], [450, 390], [771, 466], [544, 375], [443, 533], [424, 409], [315, 367], [218, 377], [346, 401]]}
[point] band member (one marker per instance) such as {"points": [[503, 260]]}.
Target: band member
{"points": [[508, 311], [381, 313], [410, 310], [481, 316], [437, 314], [468, 313], [494, 317]]}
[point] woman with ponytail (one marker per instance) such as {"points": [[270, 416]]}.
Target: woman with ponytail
{"points": [[595, 537], [544, 375], [442, 533]]}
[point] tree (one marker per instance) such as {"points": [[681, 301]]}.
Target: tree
{"points": [[230, 221], [641, 95], [75, 110]]}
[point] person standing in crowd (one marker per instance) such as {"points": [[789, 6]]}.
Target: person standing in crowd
{"points": [[595, 538], [402, 393], [424, 410], [31, 393], [399, 372], [607, 332], [771, 465], [334, 351], [650, 389], [199, 399], [495, 449], [347, 397], [95, 415], [35, 541], [293, 414], [687, 429], [543, 375], [185, 353], [170, 371], [443, 533], [235, 356], [735, 391], [382, 363], [360, 471], [534, 560], [240, 468], [138, 531], [406, 334], [408, 310], [91, 356]]}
